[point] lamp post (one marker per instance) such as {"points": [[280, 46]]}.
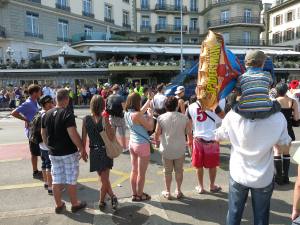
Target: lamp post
{"points": [[181, 36], [63, 52]]}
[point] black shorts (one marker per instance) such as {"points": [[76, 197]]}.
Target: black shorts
{"points": [[34, 149]]}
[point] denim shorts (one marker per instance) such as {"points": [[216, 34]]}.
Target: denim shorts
{"points": [[46, 163]]}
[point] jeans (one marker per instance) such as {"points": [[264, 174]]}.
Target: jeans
{"points": [[296, 221], [237, 198]]}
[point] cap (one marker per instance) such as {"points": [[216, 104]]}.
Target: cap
{"points": [[255, 56], [45, 99], [294, 84], [107, 85], [179, 90]]}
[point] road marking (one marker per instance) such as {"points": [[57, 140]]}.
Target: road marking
{"points": [[10, 160], [186, 170]]}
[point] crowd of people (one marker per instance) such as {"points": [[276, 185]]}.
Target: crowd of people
{"points": [[257, 121]]}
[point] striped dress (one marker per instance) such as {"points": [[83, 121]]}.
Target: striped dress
{"points": [[254, 86]]}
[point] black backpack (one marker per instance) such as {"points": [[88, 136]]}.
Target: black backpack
{"points": [[113, 108], [35, 126]]}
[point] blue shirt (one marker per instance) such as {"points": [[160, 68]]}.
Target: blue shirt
{"points": [[28, 109]]}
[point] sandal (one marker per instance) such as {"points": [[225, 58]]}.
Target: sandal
{"points": [[102, 205], [166, 195], [133, 198], [179, 194], [200, 190], [76, 208], [216, 189], [142, 198], [60, 209]]}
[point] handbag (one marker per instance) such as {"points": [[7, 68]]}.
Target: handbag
{"points": [[113, 148]]}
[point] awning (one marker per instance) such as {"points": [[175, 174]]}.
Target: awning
{"points": [[66, 51]]}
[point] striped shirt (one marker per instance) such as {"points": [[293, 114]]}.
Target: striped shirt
{"points": [[255, 85]]}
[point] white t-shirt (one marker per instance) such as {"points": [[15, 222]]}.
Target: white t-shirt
{"points": [[203, 126], [252, 141], [296, 96], [159, 101], [47, 90]]}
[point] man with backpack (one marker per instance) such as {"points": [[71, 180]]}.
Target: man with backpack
{"points": [[205, 150], [36, 137], [114, 107]]}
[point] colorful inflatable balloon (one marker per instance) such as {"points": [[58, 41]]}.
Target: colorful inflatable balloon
{"points": [[218, 71]]}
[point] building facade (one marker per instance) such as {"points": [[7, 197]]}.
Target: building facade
{"points": [[32, 28], [284, 24], [238, 20]]}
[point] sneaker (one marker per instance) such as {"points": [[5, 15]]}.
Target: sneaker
{"points": [[50, 192], [60, 209], [37, 175], [75, 209], [114, 202]]}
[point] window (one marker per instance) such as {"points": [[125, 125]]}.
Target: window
{"points": [[108, 12], [278, 20], [298, 32], [226, 37], [193, 5], [125, 18], [144, 4], [298, 13], [177, 23], [162, 22], [88, 30], [162, 2], [247, 15], [277, 38], [34, 54], [177, 4], [63, 30], [246, 37], [87, 6], [289, 34], [177, 40], [127, 1], [225, 16], [145, 22], [194, 40], [290, 16], [62, 4], [193, 24], [32, 24]]}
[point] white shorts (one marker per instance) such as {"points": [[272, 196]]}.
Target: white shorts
{"points": [[65, 169]]}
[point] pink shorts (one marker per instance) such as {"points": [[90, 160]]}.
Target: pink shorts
{"points": [[141, 150], [205, 154]]}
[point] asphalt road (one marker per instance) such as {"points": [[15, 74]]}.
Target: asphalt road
{"points": [[23, 200]]}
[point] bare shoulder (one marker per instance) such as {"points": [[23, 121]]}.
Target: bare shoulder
{"points": [[136, 117]]}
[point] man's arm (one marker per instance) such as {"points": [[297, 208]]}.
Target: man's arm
{"points": [[44, 135], [72, 131], [18, 115]]}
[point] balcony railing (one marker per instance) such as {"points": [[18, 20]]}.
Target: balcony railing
{"points": [[170, 8], [170, 28], [96, 36], [145, 29], [145, 7], [36, 35], [234, 20], [62, 7], [243, 42], [193, 9], [194, 30], [127, 26], [109, 20], [63, 39], [2, 32], [88, 14]]}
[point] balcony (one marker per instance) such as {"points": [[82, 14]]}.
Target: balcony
{"points": [[242, 42], [170, 8], [127, 26], [2, 32], [109, 20], [170, 28], [145, 7], [97, 36], [63, 39], [145, 29], [194, 30], [63, 7], [35, 35], [194, 10], [233, 20], [88, 14]]}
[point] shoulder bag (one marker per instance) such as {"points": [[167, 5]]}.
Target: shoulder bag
{"points": [[112, 146]]}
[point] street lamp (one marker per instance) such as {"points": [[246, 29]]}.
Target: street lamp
{"points": [[181, 36], [63, 52]]}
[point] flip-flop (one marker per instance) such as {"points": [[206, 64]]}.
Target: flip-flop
{"points": [[166, 195], [216, 189], [179, 195], [199, 190]]}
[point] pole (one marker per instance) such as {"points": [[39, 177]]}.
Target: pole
{"points": [[181, 36]]}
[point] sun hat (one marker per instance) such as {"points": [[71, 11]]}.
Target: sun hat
{"points": [[179, 90]]}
